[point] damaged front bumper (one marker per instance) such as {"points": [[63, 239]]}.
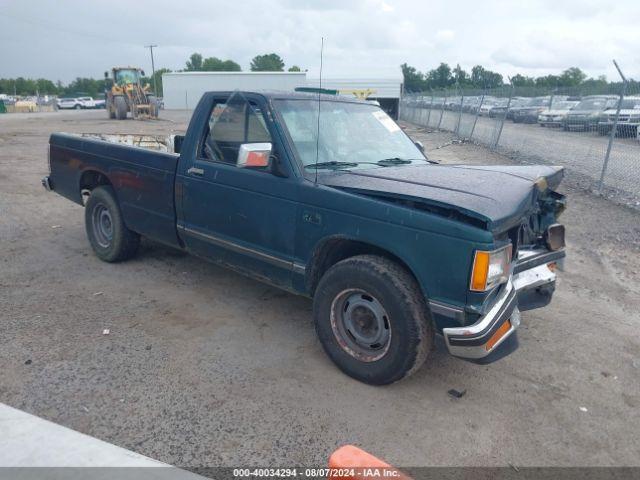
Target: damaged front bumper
{"points": [[531, 286]]}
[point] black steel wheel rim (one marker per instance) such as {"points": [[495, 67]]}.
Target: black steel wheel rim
{"points": [[360, 325], [102, 225]]}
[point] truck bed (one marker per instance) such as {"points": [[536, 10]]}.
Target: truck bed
{"points": [[158, 143], [141, 169]]}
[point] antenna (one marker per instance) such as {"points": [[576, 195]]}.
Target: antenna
{"points": [[318, 127]]}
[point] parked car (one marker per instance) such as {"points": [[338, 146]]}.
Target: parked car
{"points": [[99, 103], [87, 102], [628, 119], [585, 115], [516, 103], [528, 113], [391, 247], [490, 106], [471, 104], [90, 102], [499, 108], [555, 116], [487, 104], [69, 103]]}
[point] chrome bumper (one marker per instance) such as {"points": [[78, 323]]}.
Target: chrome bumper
{"points": [[473, 341]]}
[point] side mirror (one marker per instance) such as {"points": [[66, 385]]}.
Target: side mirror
{"points": [[254, 155], [419, 145]]}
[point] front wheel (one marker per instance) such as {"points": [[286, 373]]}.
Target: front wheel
{"points": [[372, 319], [110, 111], [120, 105], [110, 238]]}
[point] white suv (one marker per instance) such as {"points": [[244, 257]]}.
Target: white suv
{"points": [[69, 103]]}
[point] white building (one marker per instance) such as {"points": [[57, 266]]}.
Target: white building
{"points": [[182, 90]]}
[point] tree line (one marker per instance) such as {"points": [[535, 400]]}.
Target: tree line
{"points": [[444, 77], [269, 62], [441, 77]]}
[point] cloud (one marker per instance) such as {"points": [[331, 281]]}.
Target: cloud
{"points": [[445, 36], [362, 37], [385, 7]]}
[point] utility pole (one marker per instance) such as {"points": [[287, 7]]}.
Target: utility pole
{"points": [[153, 69]]}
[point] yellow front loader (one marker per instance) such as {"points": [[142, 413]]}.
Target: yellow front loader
{"points": [[125, 93]]}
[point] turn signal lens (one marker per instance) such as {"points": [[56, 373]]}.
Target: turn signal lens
{"points": [[480, 271], [501, 332]]}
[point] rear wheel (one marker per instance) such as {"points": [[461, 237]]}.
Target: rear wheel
{"points": [[153, 106], [372, 319], [110, 110], [120, 105], [78, 107], [110, 238]]}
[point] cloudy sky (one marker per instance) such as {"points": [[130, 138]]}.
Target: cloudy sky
{"points": [[70, 38]]}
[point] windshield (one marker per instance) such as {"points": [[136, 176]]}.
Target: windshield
{"points": [[519, 102], [349, 132], [538, 102], [563, 105], [126, 76], [595, 104]]}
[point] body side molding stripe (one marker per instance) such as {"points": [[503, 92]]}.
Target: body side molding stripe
{"points": [[273, 260]]}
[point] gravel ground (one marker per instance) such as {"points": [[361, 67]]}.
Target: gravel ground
{"points": [[203, 367]]}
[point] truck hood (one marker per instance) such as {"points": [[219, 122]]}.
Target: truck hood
{"points": [[497, 197]]}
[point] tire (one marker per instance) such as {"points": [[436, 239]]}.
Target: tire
{"points": [[109, 237], [153, 107], [78, 107], [120, 105], [380, 294], [110, 110]]}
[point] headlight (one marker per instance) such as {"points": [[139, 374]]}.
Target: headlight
{"points": [[490, 269]]}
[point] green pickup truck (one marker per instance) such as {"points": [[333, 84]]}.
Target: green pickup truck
{"points": [[327, 197]]}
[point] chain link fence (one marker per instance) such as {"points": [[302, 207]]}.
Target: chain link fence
{"points": [[593, 132]]}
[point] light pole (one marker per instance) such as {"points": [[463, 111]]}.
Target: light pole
{"points": [[153, 69]]}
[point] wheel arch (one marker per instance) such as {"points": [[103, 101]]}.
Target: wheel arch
{"points": [[90, 179], [336, 248]]}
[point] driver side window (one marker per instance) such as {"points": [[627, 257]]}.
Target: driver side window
{"points": [[232, 123]]}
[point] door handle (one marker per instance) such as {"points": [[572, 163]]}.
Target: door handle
{"points": [[198, 172]]}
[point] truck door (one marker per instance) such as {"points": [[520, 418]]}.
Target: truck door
{"points": [[238, 214]]}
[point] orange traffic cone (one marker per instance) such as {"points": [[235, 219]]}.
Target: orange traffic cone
{"points": [[349, 462]]}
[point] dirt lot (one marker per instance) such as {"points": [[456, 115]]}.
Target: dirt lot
{"points": [[204, 367]]}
